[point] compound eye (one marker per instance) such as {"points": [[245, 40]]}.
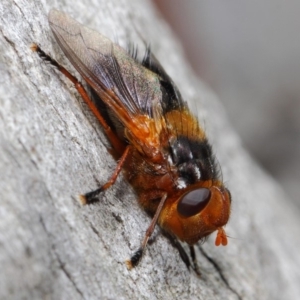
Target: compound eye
{"points": [[193, 202]]}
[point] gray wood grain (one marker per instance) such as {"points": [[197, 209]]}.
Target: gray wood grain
{"points": [[52, 149]]}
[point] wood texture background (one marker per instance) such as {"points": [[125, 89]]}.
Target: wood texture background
{"points": [[52, 149]]}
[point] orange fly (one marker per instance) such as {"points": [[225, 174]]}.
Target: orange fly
{"points": [[157, 141]]}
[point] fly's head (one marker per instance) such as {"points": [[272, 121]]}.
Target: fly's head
{"points": [[197, 213]]}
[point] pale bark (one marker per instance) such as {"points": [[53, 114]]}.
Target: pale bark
{"points": [[52, 149]]}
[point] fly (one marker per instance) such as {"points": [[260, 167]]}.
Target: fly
{"points": [[157, 141]]}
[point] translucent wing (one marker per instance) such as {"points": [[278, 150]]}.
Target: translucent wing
{"points": [[106, 66], [138, 94]]}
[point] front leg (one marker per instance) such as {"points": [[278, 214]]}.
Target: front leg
{"points": [[136, 257]]}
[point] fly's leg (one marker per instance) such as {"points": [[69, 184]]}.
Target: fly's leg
{"points": [[184, 256], [175, 243], [115, 141], [194, 259], [90, 197], [136, 257]]}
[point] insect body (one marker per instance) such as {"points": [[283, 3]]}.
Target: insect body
{"points": [[157, 140]]}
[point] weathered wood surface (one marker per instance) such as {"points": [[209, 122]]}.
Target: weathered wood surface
{"points": [[52, 150]]}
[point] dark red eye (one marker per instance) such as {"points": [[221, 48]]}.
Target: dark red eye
{"points": [[193, 202]]}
